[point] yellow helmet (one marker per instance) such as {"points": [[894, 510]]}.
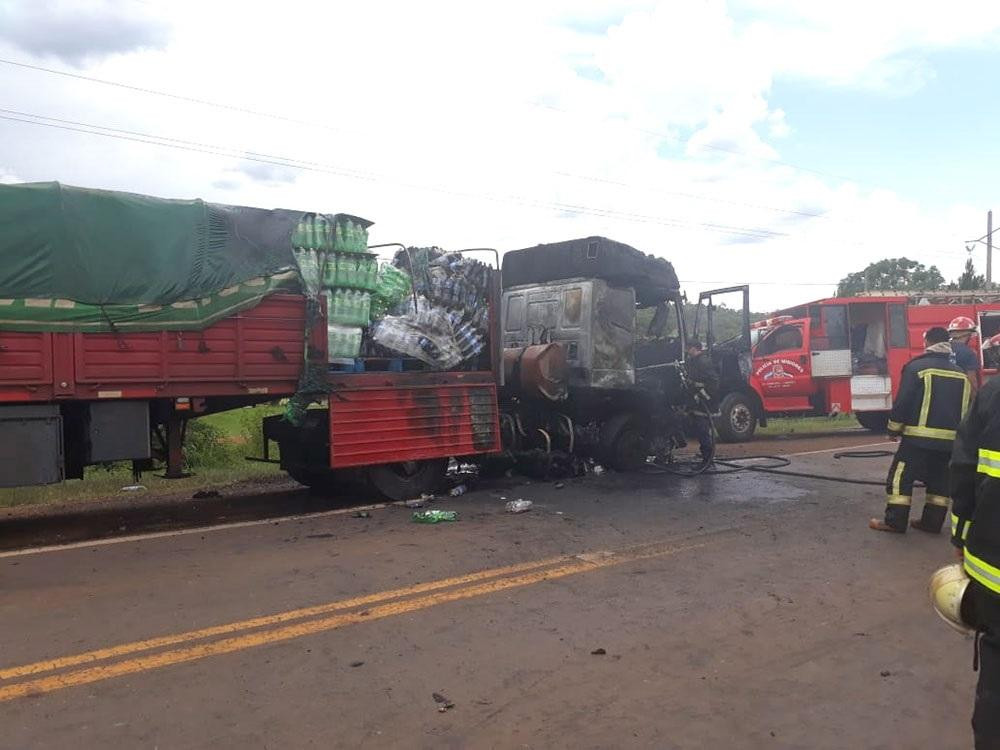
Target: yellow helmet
{"points": [[947, 589]]}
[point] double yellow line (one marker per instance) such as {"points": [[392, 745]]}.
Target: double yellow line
{"points": [[118, 661]]}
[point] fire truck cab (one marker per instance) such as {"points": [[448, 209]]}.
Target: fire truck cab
{"points": [[841, 355]]}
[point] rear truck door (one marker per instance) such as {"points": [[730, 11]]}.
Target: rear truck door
{"points": [[899, 343], [830, 347], [781, 370]]}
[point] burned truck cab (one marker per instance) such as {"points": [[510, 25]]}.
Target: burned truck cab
{"points": [[582, 374]]}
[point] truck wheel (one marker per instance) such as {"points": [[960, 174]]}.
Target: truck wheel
{"points": [[737, 420], [876, 421], [630, 449], [320, 482], [407, 479]]}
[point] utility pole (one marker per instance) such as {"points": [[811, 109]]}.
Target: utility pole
{"points": [[989, 249]]}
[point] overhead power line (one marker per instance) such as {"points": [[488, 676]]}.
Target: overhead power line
{"points": [[325, 126], [214, 149]]}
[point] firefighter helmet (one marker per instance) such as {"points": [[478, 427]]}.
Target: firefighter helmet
{"points": [[962, 324], [947, 589]]}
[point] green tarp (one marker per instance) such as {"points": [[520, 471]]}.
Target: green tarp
{"points": [[94, 260]]}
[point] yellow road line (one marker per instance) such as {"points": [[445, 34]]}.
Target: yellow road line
{"points": [[256, 622], [297, 630]]}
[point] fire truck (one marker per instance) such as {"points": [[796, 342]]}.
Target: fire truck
{"points": [[836, 355]]}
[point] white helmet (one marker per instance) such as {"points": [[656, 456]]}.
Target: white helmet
{"points": [[947, 589]]}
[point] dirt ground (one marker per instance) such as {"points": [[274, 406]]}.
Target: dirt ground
{"points": [[738, 610]]}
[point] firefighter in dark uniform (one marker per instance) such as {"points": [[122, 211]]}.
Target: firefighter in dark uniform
{"points": [[975, 532], [933, 396], [701, 370]]}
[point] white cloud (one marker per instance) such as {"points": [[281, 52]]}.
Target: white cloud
{"points": [[75, 31], [469, 125]]}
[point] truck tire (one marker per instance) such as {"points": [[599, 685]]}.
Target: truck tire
{"points": [[624, 446], [737, 420], [408, 479], [320, 482], [876, 421]]}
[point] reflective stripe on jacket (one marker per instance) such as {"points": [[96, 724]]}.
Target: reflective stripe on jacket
{"points": [[933, 396], [975, 487]]}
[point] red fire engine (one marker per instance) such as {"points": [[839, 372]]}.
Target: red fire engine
{"points": [[838, 355]]}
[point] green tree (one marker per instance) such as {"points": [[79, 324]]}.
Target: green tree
{"points": [[891, 275], [969, 278]]}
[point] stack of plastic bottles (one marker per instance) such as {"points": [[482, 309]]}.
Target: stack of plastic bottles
{"points": [[447, 325], [348, 274]]}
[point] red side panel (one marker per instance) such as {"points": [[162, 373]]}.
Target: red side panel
{"points": [[262, 344], [451, 415], [25, 358]]}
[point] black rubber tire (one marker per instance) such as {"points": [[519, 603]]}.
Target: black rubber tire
{"points": [[405, 481], [319, 482], [630, 450], [876, 421], [737, 420]]}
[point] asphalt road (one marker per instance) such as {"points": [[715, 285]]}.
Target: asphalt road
{"points": [[739, 610]]}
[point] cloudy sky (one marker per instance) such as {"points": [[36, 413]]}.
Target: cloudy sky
{"points": [[778, 142]]}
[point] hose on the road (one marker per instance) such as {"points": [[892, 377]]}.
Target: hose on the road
{"points": [[863, 454], [732, 467]]}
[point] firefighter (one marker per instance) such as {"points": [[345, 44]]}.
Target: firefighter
{"points": [[701, 370], [975, 533], [961, 330], [933, 396]]}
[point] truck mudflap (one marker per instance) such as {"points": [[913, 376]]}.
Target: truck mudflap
{"points": [[383, 418]]}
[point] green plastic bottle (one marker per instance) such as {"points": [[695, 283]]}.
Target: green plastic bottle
{"points": [[435, 516]]}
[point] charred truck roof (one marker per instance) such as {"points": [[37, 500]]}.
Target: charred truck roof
{"points": [[653, 279]]}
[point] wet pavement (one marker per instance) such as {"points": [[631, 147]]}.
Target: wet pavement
{"points": [[737, 610]]}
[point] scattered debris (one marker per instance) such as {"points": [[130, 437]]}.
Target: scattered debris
{"points": [[205, 494], [435, 516], [134, 488], [459, 489], [560, 485], [357, 663], [417, 502], [519, 506], [443, 703], [885, 673], [319, 536], [361, 514], [598, 652], [597, 470]]}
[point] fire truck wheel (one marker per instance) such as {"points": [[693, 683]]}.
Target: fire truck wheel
{"points": [[876, 421], [737, 420], [407, 479]]}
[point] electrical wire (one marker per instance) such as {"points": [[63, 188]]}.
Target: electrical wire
{"points": [[214, 149], [325, 126]]}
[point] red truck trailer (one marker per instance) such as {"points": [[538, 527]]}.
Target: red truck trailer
{"points": [[837, 355], [123, 316]]}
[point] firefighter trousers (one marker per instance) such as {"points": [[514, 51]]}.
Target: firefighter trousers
{"points": [[910, 464], [986, 715]]}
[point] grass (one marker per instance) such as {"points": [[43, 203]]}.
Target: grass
{"points": [[806, 425], [215, 451]]}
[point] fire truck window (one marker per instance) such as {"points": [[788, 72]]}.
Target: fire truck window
{"points": [[786, 338], [898, 336], [835, 326]]}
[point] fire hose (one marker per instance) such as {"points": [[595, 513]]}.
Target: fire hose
{"points": [[731, 466]]}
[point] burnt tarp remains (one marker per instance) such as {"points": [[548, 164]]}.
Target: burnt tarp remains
{"points": [[653, 279]]}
